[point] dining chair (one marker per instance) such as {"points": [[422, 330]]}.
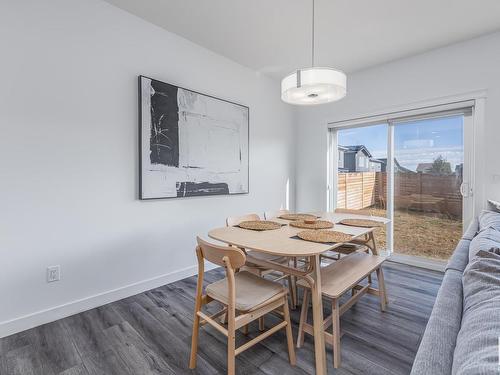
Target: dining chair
{"points": [[337, 279], [268, 215], [232, 221], [245, 297]]}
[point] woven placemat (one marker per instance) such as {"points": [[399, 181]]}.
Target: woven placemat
{"points": [[259, 225], [324, 236], [364, 223], [298, 217], [318, 224]]}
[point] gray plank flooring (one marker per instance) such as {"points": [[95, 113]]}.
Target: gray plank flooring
{"points": [[150, 334]]}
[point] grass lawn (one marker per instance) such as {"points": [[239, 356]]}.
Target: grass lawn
{"points": [[421, 234]]}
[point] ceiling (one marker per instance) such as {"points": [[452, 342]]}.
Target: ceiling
{"points": [[274, 36]]}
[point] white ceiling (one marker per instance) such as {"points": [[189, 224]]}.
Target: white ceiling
{"points": [[274, 36]]}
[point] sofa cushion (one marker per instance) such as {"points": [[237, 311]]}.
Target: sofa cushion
{"points": [[494, 205], [486, 239], [489, 219], [435, 354], [476, 351]]}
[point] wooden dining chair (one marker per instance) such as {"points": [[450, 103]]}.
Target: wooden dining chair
{"points": [[232, 221], [268, 215], [245, 297]]}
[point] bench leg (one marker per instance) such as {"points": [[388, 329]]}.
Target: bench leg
{"points": [[262, 326], [381, 288], [336, 333], [303, 318]]}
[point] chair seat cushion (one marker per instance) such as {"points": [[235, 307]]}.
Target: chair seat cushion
{"points": [[251, 290]]}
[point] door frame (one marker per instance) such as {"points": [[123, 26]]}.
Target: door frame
{"points": [[473, 133]]}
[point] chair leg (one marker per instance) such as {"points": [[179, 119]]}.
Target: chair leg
{"points": [[292, 291], [194, 341], [231, 347], [289, 335], [336, 333], [295, 287], [303, 318], [381, 288]]}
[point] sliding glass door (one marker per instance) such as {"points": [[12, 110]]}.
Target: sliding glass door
{"points": [[428, 174], [411, 169], [361, 173]]}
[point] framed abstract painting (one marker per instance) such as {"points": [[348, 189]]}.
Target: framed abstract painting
{"points": [[191, 144]]}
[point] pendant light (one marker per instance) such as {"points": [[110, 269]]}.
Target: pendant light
{"points": [[314, 85]]}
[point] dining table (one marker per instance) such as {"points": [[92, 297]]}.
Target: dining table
{"points": [[284, 242]]}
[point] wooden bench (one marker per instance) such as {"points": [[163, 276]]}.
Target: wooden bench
{"points": [[338, 278]]}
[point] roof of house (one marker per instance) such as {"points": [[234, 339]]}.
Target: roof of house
{"points": [[422, 167], [356, 148]]}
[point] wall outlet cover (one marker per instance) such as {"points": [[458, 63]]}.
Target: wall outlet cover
{"points": [[53, 273]]}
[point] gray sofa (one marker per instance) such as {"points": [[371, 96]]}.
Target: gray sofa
{"points": [[462, 333]]}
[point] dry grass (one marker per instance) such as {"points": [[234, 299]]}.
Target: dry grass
{"points": [[420, 234]]}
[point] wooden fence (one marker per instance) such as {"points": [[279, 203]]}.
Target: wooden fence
{"points": [[416, 191]]}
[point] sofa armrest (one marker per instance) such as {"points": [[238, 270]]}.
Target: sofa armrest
{"points": [[435, 353]]}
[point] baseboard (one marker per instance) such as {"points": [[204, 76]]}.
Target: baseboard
{"points": [[431, 264], [35, 319]]}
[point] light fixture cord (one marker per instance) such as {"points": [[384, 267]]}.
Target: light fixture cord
{"points": [[312, 41]]}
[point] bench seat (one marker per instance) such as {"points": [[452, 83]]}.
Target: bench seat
{"points": [[344, 274]]}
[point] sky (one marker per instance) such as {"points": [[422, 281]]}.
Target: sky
{"points": [[415, 142]]}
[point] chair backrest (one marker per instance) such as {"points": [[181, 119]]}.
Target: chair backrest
{"points": [[270, 214], [216, 254], [231, 221], [347, 211]]}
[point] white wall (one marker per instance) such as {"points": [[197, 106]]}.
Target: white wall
{"points": [[450, 71], [69, 156]]}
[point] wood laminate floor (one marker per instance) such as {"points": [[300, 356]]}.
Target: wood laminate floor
{"points": [[150, 333]]}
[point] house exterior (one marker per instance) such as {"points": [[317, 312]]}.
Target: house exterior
{"points": [[424, 167], [357, 159]]}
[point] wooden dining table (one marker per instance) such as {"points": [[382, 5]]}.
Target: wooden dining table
{"points": [[284, 242]]}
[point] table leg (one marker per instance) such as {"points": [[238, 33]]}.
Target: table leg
{"points": [[317, 307]]}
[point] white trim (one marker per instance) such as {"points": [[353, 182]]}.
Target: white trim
{"points": [[390, 187], [35, 319], [332, 170], [415, 108], [416, 261], [478, 175]]}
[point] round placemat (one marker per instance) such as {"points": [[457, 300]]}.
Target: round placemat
{"points": [[298, 217], [364, 223], [324, 236], [318, 224], [259, 225]]}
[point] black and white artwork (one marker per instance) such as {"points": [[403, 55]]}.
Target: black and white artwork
{"points": [[191, 144]]}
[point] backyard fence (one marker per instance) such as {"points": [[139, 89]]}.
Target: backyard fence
{"points": [[415, 191]]}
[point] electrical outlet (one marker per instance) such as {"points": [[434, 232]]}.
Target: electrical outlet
{"points": [[53, 273]]}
